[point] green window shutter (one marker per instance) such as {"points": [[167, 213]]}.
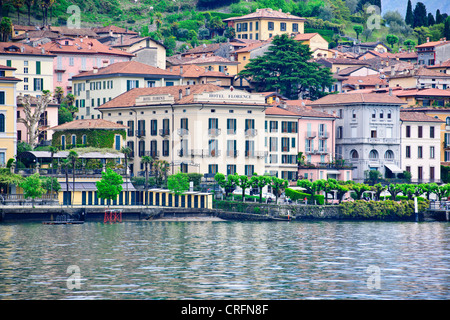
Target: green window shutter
{"points": [[2, 98], [8, 63], [38, 67]]}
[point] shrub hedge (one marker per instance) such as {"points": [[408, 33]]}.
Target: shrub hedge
{"points": [[297, 195]]}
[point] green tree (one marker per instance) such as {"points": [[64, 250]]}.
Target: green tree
{"points": [[110, 185], [409, 43], [394, 189], [359, 189], [32, 187], [64, 115], [259, 182], [286, 67], [308, 186], [278, 185], [161, 167], [392, 39], [378, 189], [59, 94], [178, 183], [429, 188], [228, 183], [29, 4], [420, 15], [430, 20], [409, 18], [7, 178], [147, 161], [5, 28], [358, 29], [447, 28], [50, 184], [73, 157], [244, 183]]}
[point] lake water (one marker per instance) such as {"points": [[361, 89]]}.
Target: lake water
{"points": [[225, 260]]}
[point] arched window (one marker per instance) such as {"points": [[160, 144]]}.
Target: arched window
{"points": [[74, 140], [389, 154], [354, 154], [373, 154], [2, 123], [84, 139], [63, 142]]}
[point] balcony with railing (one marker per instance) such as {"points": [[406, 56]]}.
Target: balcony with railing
{"points": [[255, 154], [251, 132], [164, 132], [323, 135], [140, 133], [310, 134], [183, 132], [232, 153], [152, 153], [214, 132], [205, 153]]}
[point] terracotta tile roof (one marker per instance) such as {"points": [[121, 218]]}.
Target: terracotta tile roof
{"points": [[371, 80], [21, 49], [206, 48], [422, 72], [417, 117], [266, 13], [432, 44], [307, 111], [75, 32], [445, 64], [423, 93], [305, 36], [114, 29], [211, 59], [356, 98], [347, 71], [252, 46], [177, 60], [128, 99], [83, 46], [127, 67], [280, 111], [2, 67], [331, 61], [18, 27], [89, 124], [36, 34]]}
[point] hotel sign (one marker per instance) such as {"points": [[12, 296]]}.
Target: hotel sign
{"points": [[154, 99], [231, 96]]}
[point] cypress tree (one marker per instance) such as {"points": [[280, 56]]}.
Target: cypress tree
{"points": [[430, 20], [439, 18], [409, 19], [420, 15], [447, 28]]}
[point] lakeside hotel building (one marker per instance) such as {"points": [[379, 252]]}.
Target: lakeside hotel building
{"points": [[195, 128]]}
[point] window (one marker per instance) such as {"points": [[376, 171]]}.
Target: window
{"points": [[59, 77], [213, 147], [354, 154], [74, 139], [373, 154], [213, 168], [340, 132], [38, 84], [256, 25], [374, 114], [408, 152], [283, 26], [71, 61], [419, 152], [431, 152], [389, 155], [431, 132], [84, 139], [2, 123], [38, 67], [273, 126], [295, 27], [273, 144], [249, 148], [231, 169], [131, 84], [285, 147], [231, 126], [231, 148], [165, 148], [373, 133], [271, 26], [419, 131], [408, 131], [2, 97], [117, 141], [153, 127], [249, 170], [2, 159]]}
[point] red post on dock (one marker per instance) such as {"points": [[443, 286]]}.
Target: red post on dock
{"points": [[112, 216]]}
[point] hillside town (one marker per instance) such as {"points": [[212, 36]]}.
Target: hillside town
{"points": [[194, 111]]}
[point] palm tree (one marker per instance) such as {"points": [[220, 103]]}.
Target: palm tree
{"points": [[52, 150], [146, 160], [72, 157], [126, 151], [29, 4], [59, 94]]}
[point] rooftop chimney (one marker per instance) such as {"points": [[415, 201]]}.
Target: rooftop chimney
{"points": [[95, 69], [428, 39], [181, 70], [180, 94], [390, 91], [188, 91]]}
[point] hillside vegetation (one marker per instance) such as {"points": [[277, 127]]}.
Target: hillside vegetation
{"points": [[182, 24]]}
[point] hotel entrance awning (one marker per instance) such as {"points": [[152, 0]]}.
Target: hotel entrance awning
{"points": [[394, 168], [333, 172]]}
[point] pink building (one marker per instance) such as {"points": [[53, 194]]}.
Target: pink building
{"points": [[316, 143], [74, 55]]}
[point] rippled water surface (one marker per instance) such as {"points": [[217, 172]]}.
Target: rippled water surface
{"points": [[225, 260]]}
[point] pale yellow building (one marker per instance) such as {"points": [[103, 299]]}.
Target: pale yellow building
{"points": [[312, 40], [265, 24], [8, 112], [252, 51], [33, 66]]}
